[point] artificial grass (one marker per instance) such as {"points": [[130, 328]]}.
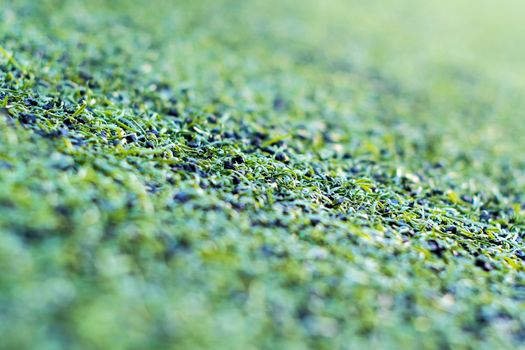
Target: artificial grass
{"points": [[261, 174]]}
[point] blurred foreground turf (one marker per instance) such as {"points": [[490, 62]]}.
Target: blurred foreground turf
{"points": [[262, 174]]}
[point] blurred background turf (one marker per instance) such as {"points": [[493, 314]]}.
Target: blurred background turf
{"points": [[463, 58]]}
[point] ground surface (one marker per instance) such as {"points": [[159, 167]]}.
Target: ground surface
{"points": [[262, 174]]}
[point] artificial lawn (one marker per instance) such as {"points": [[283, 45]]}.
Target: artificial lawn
{"points": [[261, 174]]}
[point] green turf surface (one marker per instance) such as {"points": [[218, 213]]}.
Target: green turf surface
{"points": [[262, 174]]}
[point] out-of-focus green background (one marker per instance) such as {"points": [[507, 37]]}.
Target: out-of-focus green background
{"points": [[457, 52]]}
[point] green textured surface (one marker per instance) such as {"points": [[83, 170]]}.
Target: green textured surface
{"points": [[262, 174]]}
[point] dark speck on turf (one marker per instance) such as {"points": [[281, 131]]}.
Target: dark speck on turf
{"points": [[212, 119], [31, 102], [229, 165], [267, 250], [27, 118], [173, 112], [314, 221], [520, 254], [484, 216], [238, 160], [48, 106], [278, 103], [435, 247], [4, 112], [5, 165], [131, 138], [484, 265], [182, 197], [451, 229], [282, 157], [61, 132]]}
